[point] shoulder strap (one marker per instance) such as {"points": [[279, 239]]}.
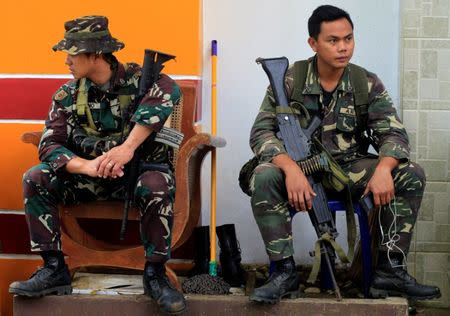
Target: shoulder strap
{"points": [[300, 73], [124, 99], [83, 113], [358, 77]]}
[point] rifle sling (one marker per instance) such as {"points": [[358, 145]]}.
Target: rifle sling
{"points": [[325, 238]]}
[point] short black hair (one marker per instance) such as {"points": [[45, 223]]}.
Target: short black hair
{"points": [[325, 13], [109, 58]]}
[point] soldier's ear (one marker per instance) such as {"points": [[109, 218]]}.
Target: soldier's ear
{"points": [[313, 43]]}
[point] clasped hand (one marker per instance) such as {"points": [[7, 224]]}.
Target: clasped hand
{"points": [[111, 163]]}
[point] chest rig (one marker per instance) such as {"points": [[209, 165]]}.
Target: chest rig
{"points": [[84, 114]]}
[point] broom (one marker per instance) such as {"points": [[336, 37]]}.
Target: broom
{"points": [[213, 262], [210, 283]]}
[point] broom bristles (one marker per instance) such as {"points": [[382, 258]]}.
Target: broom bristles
{"points": [[206, 284]]}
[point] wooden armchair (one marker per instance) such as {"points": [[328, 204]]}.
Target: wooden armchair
{"points": [[83, 249]]}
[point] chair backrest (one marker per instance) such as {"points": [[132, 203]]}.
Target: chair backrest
{"points": [[183, 116]]}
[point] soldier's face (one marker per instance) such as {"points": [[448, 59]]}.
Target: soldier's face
{"points": [[81, 65], [334, 45]]}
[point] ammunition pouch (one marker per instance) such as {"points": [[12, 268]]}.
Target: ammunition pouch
{"points": [[246, 174]]}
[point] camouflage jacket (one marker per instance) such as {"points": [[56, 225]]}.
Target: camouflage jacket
{"points": [[338, 129], [63, 137]]}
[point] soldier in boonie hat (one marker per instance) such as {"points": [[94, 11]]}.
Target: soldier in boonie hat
{"points": [[85, 140], [88, 34]]}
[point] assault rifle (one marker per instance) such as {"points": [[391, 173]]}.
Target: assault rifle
{"points": [[152, 66], [297, 142]]}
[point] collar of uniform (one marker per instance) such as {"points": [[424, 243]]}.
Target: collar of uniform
{"points": [[345, 82], [118, 78], [89, 84], [312, 83]]}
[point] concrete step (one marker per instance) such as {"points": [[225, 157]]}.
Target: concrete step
{"points": [[137, 305], [117, 294]]}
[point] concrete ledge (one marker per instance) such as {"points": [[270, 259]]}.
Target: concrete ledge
{"points": [[137, 305]]}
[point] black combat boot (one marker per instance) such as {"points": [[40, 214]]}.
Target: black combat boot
{"points": [[158, 287], [52, 278], [391, 279], [230, 256], [202, 252], [283, 282]]}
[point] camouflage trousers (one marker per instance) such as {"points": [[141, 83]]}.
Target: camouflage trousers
{"points": [[44, 191], [271, 209]]}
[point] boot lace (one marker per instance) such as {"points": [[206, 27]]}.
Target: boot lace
{"points": [[42, 271]]}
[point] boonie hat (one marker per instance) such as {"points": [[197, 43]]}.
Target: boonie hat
{"points": [[88, 34]]}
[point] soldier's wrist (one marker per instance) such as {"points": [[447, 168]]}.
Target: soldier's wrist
{"points": [[75, 165], [387, 164]]}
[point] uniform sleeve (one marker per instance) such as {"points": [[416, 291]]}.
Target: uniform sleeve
{"points": [[158, 103], [53, 145], [388, 132], [263, 139], [90, 146]]}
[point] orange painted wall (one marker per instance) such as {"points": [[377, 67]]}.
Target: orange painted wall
{"points": [[30, 28], [13, 269]]}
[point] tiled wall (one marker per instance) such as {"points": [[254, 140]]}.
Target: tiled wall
{"points": [[425, 73]]}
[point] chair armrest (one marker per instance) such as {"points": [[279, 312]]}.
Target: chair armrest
{"points": [[31, 138], [217, 142], [200, 140], [187, 198], [197, 147]]}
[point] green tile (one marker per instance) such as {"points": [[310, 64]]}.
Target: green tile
{"points": [[438, 146], [424, 230], [440, 7], [436, 262], [438, 187], [442, 233], [427, 246], [442, 217], [444, 90], [409, 104], [410, 43], [428, 64], [422, 152], [410, 84], [435, 170], [443, 44]]}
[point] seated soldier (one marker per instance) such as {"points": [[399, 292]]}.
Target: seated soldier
{"points": [[83, 157], [277, 183]]}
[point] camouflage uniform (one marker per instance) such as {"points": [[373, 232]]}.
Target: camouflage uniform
{"points": [[49, 184], [339, 134]]}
